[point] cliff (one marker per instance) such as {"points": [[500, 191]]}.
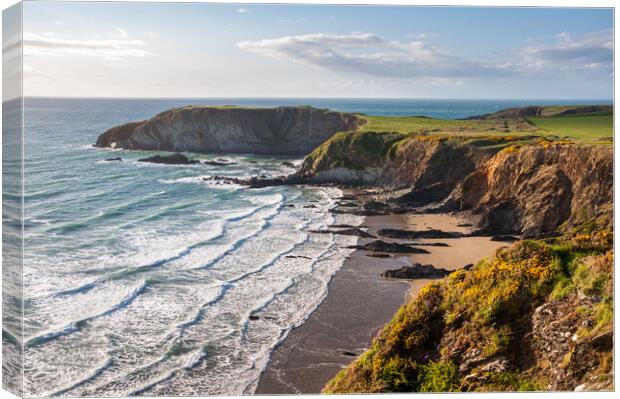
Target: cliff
{"points": [[511, 184], [202, 129], [536, 316], [537, 188]]}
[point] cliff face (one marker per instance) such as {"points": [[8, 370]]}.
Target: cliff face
{"points": [[511, 184], [277, 131], [537, 188]]}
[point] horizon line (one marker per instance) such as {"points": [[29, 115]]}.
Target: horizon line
{"points": [[612, 100]]}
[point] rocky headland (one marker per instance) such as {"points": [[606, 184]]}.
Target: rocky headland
{"points": [[202, 129], [535, 315]]}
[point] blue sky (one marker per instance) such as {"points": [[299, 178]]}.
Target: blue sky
{"points": [[217, 50]]}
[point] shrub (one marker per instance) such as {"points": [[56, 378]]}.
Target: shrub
{"points": [[442, 376]]}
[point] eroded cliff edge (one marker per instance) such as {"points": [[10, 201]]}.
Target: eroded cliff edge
{"points": [[204, 129], [510, 184]]}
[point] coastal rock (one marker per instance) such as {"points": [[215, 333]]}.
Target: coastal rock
{"points": [[174, 159], [504, 238], [378, 255], [527, 190], [534, 190], [203, 129], [416, 271], [219, 162], [382, 246], [414, 235], [352, 231], [255, 182]]}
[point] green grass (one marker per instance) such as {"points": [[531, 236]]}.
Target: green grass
{"points": [[592, 128], [587, 129], [420, 124]]}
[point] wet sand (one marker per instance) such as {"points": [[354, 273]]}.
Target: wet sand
{"points": [[360, 302]]}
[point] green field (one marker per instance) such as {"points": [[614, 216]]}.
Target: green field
{"points": [[587, 128], [420, 124]]}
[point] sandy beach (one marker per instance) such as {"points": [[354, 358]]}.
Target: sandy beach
{"points": [[360, 302]]}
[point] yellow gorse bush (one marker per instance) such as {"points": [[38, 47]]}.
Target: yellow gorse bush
{"points": [[499, 286]]}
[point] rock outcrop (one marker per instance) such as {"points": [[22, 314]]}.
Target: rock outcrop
{"points": [[513, 185], [392, 247], [174, 159], [416, 271], [202, 129], [535, 189]]}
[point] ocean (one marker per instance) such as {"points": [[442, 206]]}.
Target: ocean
{"points": [[146, 279]]}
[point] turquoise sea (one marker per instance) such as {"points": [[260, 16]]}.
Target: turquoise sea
{"points": [[141, 278]]}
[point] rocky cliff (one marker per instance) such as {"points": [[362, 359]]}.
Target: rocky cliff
{"points": [[536, 316], [202, 129], [511, 184], [537, 188]]}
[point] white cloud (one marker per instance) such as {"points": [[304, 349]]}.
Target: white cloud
{"points": [[110, 49], [592, 50], [121, 32], [58, 23], [242, 10], [152, 35], [370, 54]]}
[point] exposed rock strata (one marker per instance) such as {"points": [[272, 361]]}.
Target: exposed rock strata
{"points": [[536, 189], [531, 190], [201, 129]]}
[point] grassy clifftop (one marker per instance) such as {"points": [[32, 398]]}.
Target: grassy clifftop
{"points": [[580, 123], [535, 316]]}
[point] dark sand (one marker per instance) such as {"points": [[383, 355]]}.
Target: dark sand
{"points": [[359, 303]]}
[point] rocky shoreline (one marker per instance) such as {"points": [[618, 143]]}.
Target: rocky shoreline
{"points": [[434, 205], [367, 291]]}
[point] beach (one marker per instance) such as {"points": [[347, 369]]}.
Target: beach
{"points": [[359, 302]]}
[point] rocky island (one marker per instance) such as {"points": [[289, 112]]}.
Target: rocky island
{"points": [[534, 315]]}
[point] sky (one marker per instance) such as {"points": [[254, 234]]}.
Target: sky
{"points": [[228, 50]]}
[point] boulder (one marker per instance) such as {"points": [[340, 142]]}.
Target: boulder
{"points": [[416, 271]]}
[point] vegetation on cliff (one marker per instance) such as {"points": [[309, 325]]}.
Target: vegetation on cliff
{"points": [[352, 150], [535, 316]]}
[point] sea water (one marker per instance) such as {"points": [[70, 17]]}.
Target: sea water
{"points": [[148, 279]]}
